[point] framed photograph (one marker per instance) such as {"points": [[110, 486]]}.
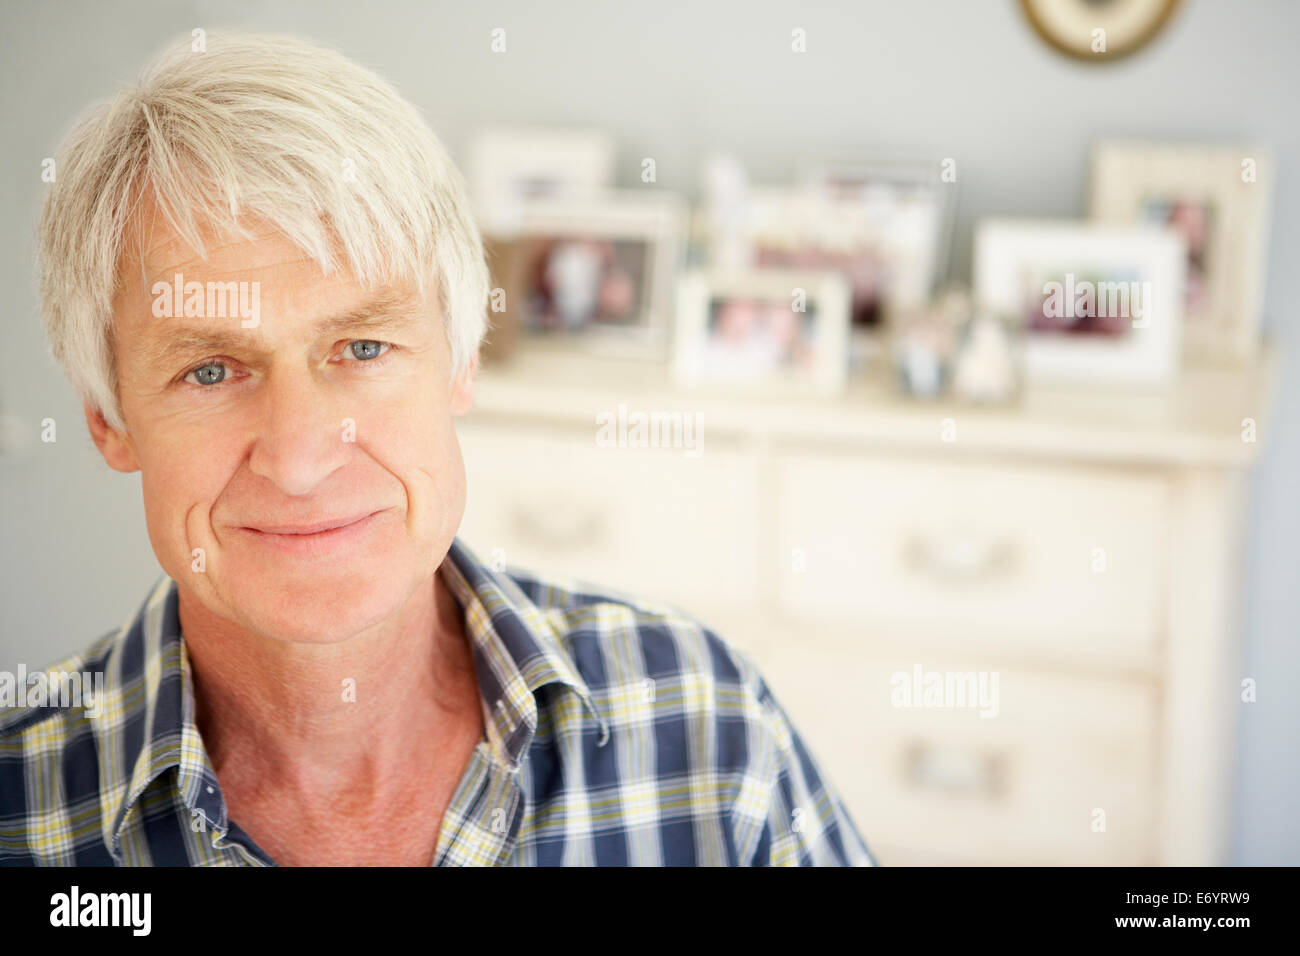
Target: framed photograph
{"points": [[884, 224], [907, 199], [1219, 198], [763, 328], [504, 321], [886, 256], [1096, 303], [598, 269], [509, 167]]}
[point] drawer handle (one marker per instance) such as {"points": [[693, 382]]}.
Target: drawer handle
{"points": [[957, 557], [954, 771], [558, 527]]}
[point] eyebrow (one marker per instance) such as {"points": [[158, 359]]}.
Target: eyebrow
{"points": [[389, 310]]}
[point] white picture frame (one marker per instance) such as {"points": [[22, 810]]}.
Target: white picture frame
{"points": [[628, 218], [887, 252], [1222, 195], [508, 167], [1011, 256], [701, 359], [859, 176]]}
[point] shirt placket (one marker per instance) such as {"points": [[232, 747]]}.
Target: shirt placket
{"points": [[481, 824]]}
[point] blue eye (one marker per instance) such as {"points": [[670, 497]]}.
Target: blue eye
{"points": [[361, 351], [211, 374], [365, 350]]}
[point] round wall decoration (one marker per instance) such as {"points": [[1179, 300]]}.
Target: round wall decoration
{"points": [[1099, 29]]}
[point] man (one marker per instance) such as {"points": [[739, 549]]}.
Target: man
{"points": [[260, 272]]}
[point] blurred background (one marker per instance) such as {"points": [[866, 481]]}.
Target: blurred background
{"points": [[937, 355]]}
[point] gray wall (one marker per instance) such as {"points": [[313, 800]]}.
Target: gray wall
{"points": [[670, 80]]}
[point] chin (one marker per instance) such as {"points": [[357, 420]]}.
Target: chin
{"points": [[327, 615], [315, 605]]}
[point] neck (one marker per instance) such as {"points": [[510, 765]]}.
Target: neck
{"points": [[303, 717]]}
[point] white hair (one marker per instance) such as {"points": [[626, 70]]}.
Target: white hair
{"points": [[294, 134]]}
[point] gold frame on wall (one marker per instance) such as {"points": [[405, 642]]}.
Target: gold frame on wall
{"points": [[1044, 30]]}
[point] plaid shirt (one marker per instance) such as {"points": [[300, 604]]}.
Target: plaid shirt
{"points": [[616, 733]]}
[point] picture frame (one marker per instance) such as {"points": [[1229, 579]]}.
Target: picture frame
{"points": [[1099, 32], [504, 322], [1220, 197], [762, 329], [509, 167], [884, 222], [918, 179], [1094, 303], [886, 263], [598, 270]]}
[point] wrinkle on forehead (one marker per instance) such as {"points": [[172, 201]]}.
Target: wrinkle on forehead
{"points": [[160, 251]]}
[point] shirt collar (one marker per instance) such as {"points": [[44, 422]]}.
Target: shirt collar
{"points": [[517, 651], [159, 732]]}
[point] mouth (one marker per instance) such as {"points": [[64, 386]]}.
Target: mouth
{"points": [[317, 527], [314, 537]]}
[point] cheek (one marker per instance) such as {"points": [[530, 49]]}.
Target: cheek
{"points": [[427, 461], [180, 486]]}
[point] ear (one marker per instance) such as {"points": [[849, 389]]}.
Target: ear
{"points": [[116, 447], [462, 389]]}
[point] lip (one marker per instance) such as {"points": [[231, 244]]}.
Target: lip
{"points": [[314, 528], [314, 538]]}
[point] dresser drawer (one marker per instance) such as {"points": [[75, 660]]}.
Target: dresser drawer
{"points": [[1062, 774], [1017, 556], [653, 522]]}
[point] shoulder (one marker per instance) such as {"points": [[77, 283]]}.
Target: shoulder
{"points": [[34, 699], [666, 683], [611, 636], [49, 749], [681, 697]]}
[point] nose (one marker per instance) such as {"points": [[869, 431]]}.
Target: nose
{"points": [[302, 437]]}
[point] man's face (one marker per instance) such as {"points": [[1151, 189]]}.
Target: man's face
{"points": [[334, 410]]}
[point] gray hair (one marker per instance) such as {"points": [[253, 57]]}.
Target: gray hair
{"points": [[262, 125]]}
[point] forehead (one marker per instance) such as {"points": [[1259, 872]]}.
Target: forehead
{"points": [[154, 250], [293, 294]]}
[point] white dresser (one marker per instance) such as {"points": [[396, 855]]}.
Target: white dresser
{"points": [[1082, 546]]}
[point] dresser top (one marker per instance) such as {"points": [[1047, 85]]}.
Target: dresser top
{"points": [[1198, 420]]}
